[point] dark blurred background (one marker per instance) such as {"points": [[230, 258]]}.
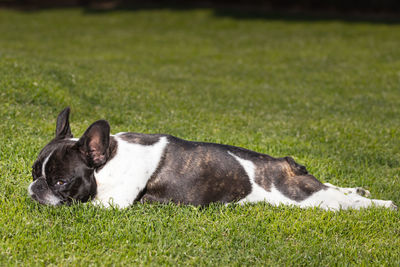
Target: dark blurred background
{"points": [[386, 8]]}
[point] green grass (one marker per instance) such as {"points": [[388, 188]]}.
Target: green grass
{"points": [[325, 92]]}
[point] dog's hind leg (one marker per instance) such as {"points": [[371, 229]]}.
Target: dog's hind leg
{"points": [[336, 198], [349, 190]]}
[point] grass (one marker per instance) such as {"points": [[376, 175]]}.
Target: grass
{"points": [[326, 92]]}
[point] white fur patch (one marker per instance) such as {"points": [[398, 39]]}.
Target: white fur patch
{"points": [[126, 174], [332, 198], [30, 189], [258, 193], [51, 199], [44, 164]]}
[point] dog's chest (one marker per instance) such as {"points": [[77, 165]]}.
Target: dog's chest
{"points": [[126, 174]]}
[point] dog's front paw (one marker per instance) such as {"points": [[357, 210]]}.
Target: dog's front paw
{"points": [[363, 192], [392, 206]]}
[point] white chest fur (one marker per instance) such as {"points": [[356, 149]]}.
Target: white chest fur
{"points": [[126, 174]]}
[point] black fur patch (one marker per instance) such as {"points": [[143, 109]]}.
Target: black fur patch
{"points": [[141, 139]]}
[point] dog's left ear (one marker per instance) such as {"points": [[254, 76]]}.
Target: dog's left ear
{"points": [[94, 143], [62, 128]]}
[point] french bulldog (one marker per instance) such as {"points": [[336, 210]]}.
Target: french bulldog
{"points": [[119, 170]]}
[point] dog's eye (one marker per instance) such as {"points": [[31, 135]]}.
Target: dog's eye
{"points": [[60, 182]]}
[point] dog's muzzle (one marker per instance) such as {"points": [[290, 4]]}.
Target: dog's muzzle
{"points": [[39, 190]]}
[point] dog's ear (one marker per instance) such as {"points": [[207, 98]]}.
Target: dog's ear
{"points": [[94, 143], [62, 128]]}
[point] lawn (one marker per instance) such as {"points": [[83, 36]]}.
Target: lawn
{"points": [[326, 92]]}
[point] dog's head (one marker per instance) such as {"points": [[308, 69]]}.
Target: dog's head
{"points": [[64, 170]]}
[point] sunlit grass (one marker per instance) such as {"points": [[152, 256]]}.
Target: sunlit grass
{"points": [[325, 92]]}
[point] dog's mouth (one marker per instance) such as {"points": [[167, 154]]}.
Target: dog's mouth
{"points": [[40, 192]]}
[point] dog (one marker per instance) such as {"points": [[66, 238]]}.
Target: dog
{"points": [[119, 170]]}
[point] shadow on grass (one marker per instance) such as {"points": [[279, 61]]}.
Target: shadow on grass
{"points": [[306, 16], [242, 11], [239, 10]]}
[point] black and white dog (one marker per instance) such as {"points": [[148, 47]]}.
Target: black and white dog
{"points": [[121, 169]]}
